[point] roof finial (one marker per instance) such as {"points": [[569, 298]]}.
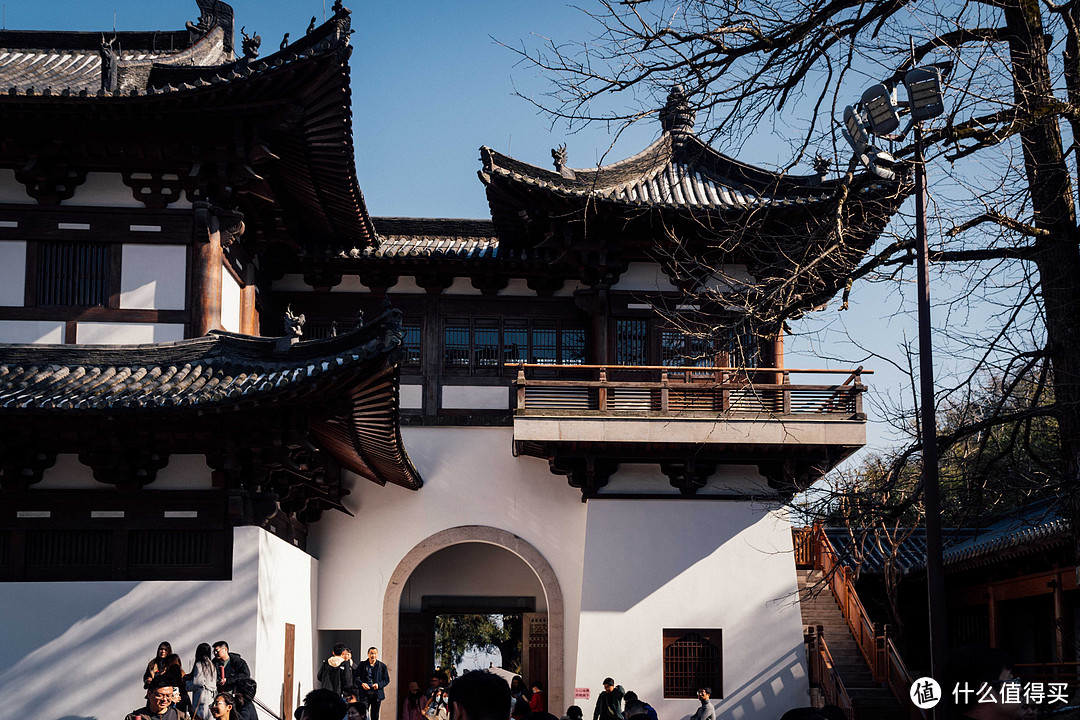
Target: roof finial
{"points": [[677, 117], [110, 64], [250, 44], [559, 156]]}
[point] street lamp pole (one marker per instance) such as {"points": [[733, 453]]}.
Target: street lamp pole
{"points": [[935, 571], [877, 113]]}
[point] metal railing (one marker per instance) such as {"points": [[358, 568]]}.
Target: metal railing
{"points": [[623, 389]]}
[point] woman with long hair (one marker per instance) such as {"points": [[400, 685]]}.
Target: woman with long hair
{"points": [[222, 707], [174, 675], [156, 666], [202, 683]]}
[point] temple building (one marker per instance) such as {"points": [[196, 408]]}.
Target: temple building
{"points": [[238, 406]]}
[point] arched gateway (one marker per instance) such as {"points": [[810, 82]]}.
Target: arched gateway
{"points": [[491, 536]]}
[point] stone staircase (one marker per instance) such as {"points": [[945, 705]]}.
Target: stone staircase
{"points": [[819, 608]]}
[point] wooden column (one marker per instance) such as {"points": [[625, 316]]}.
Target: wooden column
{"points": [[206, 275], [249, 317], [992, 617], [1060, 618]]}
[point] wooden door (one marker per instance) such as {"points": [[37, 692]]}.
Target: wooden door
{"points": [[416, 637], [287, 686], [535, 665]]}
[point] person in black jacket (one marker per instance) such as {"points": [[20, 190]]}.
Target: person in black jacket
{"points": [[373, 677], [336, 672], [228, 667]]}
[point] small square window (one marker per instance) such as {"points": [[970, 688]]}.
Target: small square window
{"points": [[693, 659]]}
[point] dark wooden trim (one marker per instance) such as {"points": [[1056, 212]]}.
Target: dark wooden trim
{"points": [[109, 225], [30, 289], [71, 331], [93, 314], [116, 254]]}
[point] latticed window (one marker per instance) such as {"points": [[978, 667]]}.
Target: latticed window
{"points": [[411, 345], [632, 342], [692, 659], [683, 350], [72, 273], [490, 343]]}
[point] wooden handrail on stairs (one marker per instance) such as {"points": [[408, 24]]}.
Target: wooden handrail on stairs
{"points": [[823, 669], [815, 551]]}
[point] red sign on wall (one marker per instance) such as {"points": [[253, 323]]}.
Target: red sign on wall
{"points": [[581, 693]]}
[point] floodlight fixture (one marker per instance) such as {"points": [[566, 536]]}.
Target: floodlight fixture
{"points": [[880, 110], [924, 92], [854, 131]]}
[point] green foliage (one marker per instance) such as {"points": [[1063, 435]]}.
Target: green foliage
{"points": [[456, 635]]}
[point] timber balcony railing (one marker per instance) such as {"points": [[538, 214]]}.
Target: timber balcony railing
{"points": [[685, 391]]}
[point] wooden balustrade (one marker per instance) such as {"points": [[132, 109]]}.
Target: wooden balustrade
{"points": [[671, 390], [814, 550], [823, 672]]}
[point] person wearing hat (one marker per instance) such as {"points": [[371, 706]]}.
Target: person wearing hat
{"points": [[706, 711], [412, 707]]}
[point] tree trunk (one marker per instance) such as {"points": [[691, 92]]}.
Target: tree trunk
{"points": [[1057, 254]]}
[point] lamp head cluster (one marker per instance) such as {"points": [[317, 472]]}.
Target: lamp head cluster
{"points": [[878, 113]]}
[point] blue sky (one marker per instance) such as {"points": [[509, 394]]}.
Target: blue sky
{"points": [[431, 85]]}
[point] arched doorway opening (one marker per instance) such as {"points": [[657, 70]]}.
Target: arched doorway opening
{"points": [[472, 569]]}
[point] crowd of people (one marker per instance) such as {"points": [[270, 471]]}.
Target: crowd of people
{"points": [[218, 686]]}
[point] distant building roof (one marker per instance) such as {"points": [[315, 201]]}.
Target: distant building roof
{"points": [[1027, 530]]}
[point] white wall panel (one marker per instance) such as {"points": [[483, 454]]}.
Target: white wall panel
{"points": [[656, 564], [36, 332], [412, 397], [644, 277], [114, 627], [103, 190], [101, 333], [475, 397], [13, 191], [153, 277], [12, 273], [230, 302]]}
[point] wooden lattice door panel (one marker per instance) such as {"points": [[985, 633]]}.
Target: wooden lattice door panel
{"points": [[536, 648], [416, 637], [693, 659]]}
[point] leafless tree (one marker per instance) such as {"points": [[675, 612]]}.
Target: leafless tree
{"points": [[1004, 155]]}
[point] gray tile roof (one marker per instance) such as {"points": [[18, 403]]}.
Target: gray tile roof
{"points": [[29, 71], [1029, 529], [217, 370], [674, 173], [436, 238]]}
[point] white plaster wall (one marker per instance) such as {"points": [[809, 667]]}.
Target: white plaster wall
{"points": [[644, 277], [95, 333], [12, 273], [656, 564], [13, 191], [472, 569], [475, 397], [184, 472], [411, 397], [470, 478], [728, 479], [31, 332], [288, 582], [153, 277], [230, 302], [104, 190], [113, 628], [67, 473]]}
